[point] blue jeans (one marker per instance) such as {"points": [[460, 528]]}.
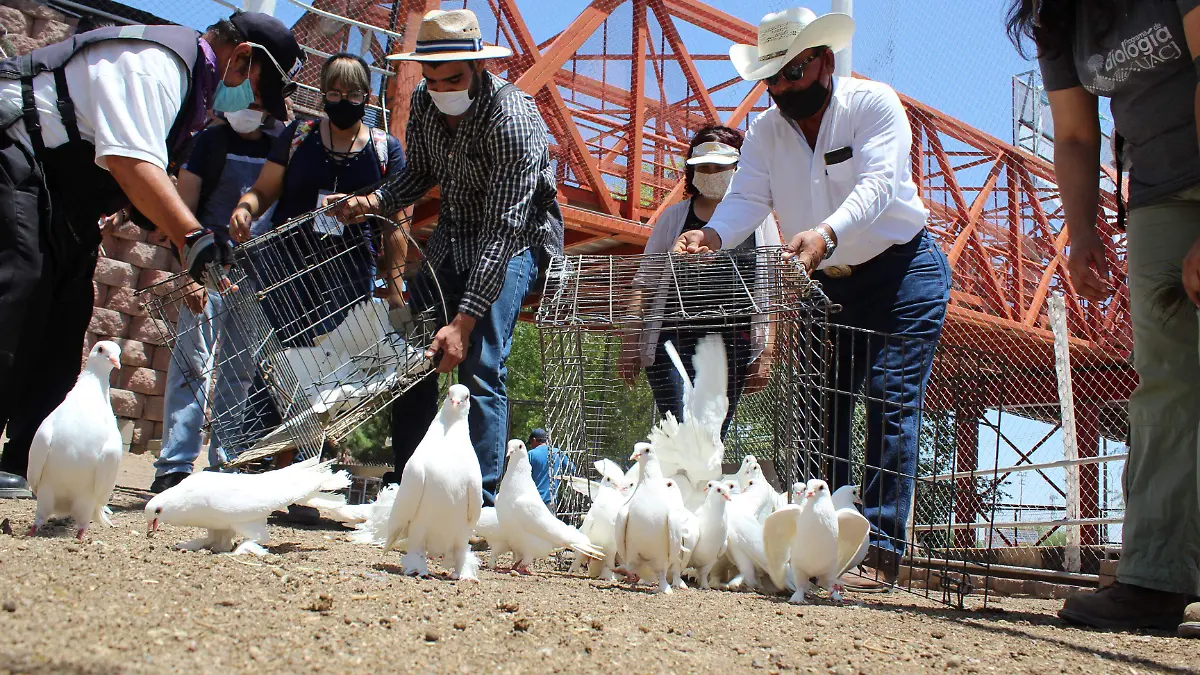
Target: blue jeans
{"points": [[483, 371], [188, 385], [666, 383], [897, 301]]}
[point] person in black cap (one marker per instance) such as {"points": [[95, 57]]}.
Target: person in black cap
{"points": [[90, 126], [548, 465]]}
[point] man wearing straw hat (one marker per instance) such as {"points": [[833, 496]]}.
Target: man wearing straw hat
{"points": [[831, 157], [483, 141]]}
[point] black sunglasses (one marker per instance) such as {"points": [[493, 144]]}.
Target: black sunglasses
{"points": [[795, 72]]}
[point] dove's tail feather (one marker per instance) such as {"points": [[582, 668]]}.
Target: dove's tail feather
{"points": [[683, 373], [373, 530], [334, 506], [593, 552]]}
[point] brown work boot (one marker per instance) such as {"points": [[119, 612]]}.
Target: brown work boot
{"points": [[1190, 628], [1125, 607]]}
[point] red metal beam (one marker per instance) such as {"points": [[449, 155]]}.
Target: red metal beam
{"points": [[566, 44], [637, 114]]}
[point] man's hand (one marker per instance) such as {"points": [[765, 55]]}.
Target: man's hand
{"points": [[114, 221], [199, 250], [1088, 265], [239, 224], [354, 209], [452, 342], [704, 240], [1191, 273], [195, 297], [758, 375], [808, 247]]}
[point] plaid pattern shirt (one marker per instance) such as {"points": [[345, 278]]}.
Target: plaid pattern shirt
{"points": [[497, 186]]}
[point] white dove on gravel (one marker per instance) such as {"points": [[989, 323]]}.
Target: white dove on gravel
{"points": [[648, 531], [745, 543], [527, 526], [76, 453], [441, 493], [373, 528], [846, 497], [599, 524], [693, 446], [229, 505], [714, 531], [818, 540]]}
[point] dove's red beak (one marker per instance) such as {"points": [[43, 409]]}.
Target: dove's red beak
{"points": [[115, 361], [809, 494], [726, 496]]}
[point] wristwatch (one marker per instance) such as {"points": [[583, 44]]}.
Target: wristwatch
{"points": [[830, 244]]}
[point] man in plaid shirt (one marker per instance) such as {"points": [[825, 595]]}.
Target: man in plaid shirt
{"points": [[484, 143]]}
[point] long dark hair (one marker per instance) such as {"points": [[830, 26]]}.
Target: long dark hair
{"points": [[1050, 24], [714, 133]]}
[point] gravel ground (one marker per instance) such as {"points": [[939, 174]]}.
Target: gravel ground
{"points": [[123, 602]]}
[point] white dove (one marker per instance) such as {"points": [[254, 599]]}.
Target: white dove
{"points": [[846, 497], [693, 446], [76, 453], [817, 539], [758, 495], [233, 504], [648, 530], [599, 525], [745, 543], [441, 493], [746, 471], [689, 534], [526, 523], [714, 531]]}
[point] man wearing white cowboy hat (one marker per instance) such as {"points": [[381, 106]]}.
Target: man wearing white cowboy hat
{"points": [[483, 141], [831, 157]]}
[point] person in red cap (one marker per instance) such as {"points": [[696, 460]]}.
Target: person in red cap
{"points": [[90, 126]]}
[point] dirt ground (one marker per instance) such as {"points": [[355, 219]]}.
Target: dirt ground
{"points": [[123, 602]]}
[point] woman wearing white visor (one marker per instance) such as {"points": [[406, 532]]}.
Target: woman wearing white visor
{"points": [[712, 159]]}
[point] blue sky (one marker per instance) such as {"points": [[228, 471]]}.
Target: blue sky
{"points": [[951, 54]]}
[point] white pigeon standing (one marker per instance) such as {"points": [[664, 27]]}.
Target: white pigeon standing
{"points": [[714, 532], [846, 497], [373, 529], [76, 453], [757, 493], [229, 505], [746, 471], [599, 524], [648, 530], [745, 542], [526, 523], [818, 540], [441, 493]]}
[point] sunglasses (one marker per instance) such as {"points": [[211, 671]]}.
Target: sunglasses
{"points": [[289, 85], [795, 72]]}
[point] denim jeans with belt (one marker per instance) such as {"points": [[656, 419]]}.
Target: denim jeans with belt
{"points": [[897, 301], [483, 371]]}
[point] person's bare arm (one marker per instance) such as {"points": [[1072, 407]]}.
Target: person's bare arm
{"points": [[256, 200], [395, 256], [151, 192], [1076, 167], [188, 185]]}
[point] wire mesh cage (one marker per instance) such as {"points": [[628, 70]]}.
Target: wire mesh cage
{"points": [[299, 352], [839, 403], [596, 307]]}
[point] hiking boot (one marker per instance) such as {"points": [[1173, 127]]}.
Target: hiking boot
{"points": [[1190, 628], [1125, 607], [13, 486], [167, 481]]}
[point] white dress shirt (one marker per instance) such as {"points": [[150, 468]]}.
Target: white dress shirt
{"points": [[870, 199]]}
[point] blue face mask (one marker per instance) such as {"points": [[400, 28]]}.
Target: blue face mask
{"points": [[233, 99]]}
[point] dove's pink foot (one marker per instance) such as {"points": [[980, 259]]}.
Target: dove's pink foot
{"points": [[522, 569], [79, 534]]}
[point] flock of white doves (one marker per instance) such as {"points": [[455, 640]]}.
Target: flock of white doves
{"points": [[671, 513]]}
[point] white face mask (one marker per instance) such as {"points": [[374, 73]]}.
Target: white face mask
{"points": [[452, 103], [713, 185], [244, 121]]}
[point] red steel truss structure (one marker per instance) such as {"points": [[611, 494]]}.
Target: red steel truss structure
{"points": [[621, 93]]}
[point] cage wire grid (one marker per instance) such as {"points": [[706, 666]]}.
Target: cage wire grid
{"points": [[810, 419], [297, 352]]}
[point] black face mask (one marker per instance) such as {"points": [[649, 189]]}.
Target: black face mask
{"points": [[800, 104], [345, 114]]}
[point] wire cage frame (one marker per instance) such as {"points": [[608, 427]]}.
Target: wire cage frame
{"points": [[297, 352], [820, 414], [596, 307]]}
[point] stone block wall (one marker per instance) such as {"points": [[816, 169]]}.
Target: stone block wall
{"points": [[130, 259]]}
